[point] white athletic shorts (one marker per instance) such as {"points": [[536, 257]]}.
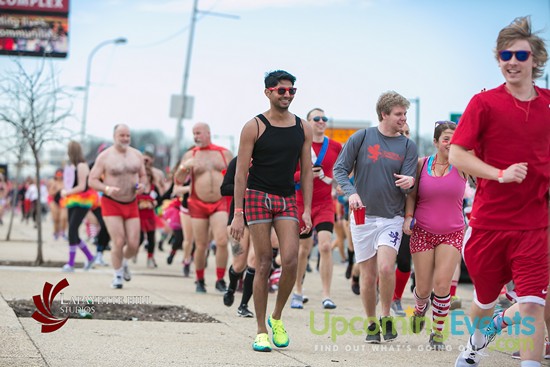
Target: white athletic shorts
{"points": [[376, 231]]}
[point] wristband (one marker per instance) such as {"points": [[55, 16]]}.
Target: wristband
{"points": [[500, 176], [409, 216]]}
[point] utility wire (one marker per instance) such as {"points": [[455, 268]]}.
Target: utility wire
{"points": [[201, 15]]}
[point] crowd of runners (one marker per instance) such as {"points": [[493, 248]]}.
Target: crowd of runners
{"points": [[390, 214]]}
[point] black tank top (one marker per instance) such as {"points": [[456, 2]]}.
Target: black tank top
{"points": [[275, 157], [75, 184]]}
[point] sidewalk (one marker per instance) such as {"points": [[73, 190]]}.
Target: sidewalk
{"points": [[227, 343]]}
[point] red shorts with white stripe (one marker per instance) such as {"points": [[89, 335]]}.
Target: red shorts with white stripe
{"points": [[494, 258]]}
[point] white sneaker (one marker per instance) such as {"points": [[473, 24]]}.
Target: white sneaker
{"points": [[88, 264], [126, 275], [67, 268], [151, 263], [117, 282], [471, 355], [397, 309], [99, 261]]}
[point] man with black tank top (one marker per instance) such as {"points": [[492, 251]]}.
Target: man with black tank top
{"points": [[275, 141]]}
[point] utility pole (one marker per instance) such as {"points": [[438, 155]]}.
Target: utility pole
{"points": [[174, 155], [416, 101]]}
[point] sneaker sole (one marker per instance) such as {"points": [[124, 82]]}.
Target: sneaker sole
{"points": [[398, 314], [390, 339], [247, 316], [119, 286], [261, 349]]}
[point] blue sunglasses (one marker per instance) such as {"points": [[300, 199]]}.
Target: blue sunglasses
{"points": [[521, 56]]}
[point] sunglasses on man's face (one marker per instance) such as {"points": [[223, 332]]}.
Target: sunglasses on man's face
{"points": [[521, 56], [319, 118], [283, 90]]}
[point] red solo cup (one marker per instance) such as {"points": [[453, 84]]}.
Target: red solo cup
{"points": [[359, 215]]}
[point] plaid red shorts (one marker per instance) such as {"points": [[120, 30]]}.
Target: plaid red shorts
{"points": [[261, 207]]}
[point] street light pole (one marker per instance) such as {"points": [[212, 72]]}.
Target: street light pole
{"points": [[175, 151], [116, 41]]}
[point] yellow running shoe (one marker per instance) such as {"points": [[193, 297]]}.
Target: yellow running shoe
{"points": [[280, 336], [261, 343]]}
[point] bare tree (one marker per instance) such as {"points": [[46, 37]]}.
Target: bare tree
{"points": [[19, 152], [34, 106]]}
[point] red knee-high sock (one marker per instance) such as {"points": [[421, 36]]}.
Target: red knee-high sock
{"points": [[401, 279], [454, 285], [200, 274], [440, 310], [220, 273]]}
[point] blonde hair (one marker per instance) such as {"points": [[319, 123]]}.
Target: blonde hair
{"points": [[520, 29], [388, 100]]}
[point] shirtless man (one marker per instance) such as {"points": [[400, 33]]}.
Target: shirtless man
{"points": [[122, 172], [208, 209]]}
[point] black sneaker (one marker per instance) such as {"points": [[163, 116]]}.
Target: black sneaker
{"points": [[221, 286], [186, 270], [373, 334], [170, 259], [388, 328], [243, 311], [355, 288], [348, 271], [229, 297], [200, 286]]}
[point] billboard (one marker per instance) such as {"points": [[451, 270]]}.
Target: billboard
{"points": [[36, 6], [34, 28]]}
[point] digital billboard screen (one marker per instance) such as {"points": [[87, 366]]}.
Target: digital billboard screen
{"points": [[34, 35]]}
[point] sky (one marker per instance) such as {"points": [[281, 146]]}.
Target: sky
{"points": [[344, 54]]}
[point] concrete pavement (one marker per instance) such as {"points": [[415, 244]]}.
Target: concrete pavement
{"points": [[227, 343]]}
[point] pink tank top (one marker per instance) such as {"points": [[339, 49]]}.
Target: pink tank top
{"points": [[439, 201]]}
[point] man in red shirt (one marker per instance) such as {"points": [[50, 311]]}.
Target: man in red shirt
{"points": [[324, 152], [507, 129]]}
